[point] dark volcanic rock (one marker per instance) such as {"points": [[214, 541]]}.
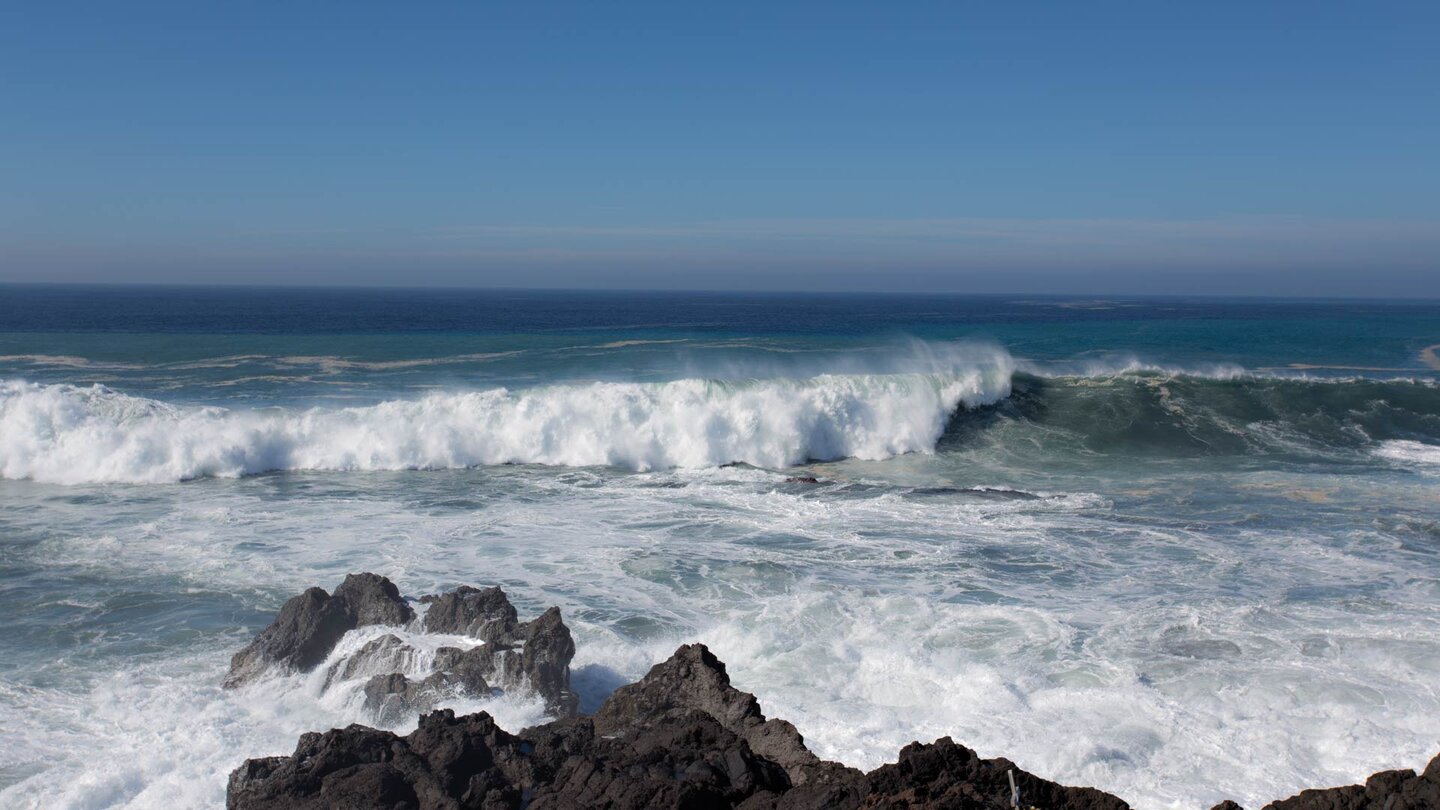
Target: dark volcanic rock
{"points": [[681, 737], [374, 600], [445, 763], [534, 654], [309, 626], [484, 614], [545, 655], [393, 697], [943, 774], [694, 679], [384, 654]]}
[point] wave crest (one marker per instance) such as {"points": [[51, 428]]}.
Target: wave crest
{"points": [[69, 434]]}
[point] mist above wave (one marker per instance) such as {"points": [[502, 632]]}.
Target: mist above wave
{"points": [[70, 434]]}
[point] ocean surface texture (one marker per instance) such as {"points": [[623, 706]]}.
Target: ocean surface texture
{"points": [[1179, 550]]}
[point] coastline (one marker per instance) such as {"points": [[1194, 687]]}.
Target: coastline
{"points": [[681, 736]]}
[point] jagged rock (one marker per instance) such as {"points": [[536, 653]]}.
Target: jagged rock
{"points": [[381, 655], [681, 737], [310, 625], [943, 774], [517, 655], [802, 479], [545, 656], [534, 654], [444, 762], [394, 698], [484, 614], [471, 669], [374, 600], [693, 678]]}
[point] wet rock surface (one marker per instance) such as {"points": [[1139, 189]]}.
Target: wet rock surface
{"points": [[681, 737], [310, 625], [533, 655]]}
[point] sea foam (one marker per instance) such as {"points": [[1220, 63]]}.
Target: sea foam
{"points": [[70, 434], [1426, 456]]}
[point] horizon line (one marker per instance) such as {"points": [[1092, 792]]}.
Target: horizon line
{"points": [[383, 287]]}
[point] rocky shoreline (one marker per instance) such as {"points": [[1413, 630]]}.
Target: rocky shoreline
{"points": [[680, 737]]}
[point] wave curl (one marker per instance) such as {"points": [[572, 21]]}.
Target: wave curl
{"points": [[68, 434]]}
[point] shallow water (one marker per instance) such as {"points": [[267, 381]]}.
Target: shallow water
{"points": [[1123, 544]]}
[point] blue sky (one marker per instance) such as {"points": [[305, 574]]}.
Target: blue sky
{"points": [[1234, 148]]}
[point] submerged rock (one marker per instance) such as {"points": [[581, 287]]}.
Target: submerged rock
{"points": [[310, 625], [681, 737]]}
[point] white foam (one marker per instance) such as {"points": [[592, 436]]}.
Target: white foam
{"points": [[165, 735], [1426, 456], [69, 434], [1174, 662]]}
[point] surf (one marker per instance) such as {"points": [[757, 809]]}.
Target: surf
{"points": [[69, 434]]}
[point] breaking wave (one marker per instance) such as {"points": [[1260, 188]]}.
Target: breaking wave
{"points": [[69, 434]]}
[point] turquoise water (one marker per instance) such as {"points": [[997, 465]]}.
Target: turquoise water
{"points": [[1180, 550]]}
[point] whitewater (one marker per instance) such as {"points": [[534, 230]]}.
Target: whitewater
{"points": [[1178, 550], [67, 434]]}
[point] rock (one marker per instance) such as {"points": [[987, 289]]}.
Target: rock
{"points": [[541, 662], [307, 628], [384, 654], [693, 678], [545, 661], [1227, 805], [943, 774], [310, 625], [374, 600], [470, 669], [532, 655], [484, 614], [681, 737], [394, 698], [802, 479], [444, 762]]}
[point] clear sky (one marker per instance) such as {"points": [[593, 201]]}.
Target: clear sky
{"points": [[1229, 148]]}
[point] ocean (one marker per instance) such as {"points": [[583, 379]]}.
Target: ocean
{"points": [[1181, 550]]}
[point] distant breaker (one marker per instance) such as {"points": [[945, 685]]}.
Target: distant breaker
{"points": [[71, 434]]}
